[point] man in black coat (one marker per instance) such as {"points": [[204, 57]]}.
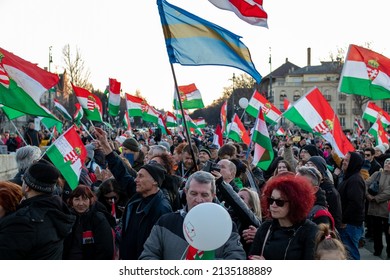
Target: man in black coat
{"points": [[37, 229], [147, 201]]}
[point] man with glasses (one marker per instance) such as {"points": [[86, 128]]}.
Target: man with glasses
{"points": [[369, 155]]}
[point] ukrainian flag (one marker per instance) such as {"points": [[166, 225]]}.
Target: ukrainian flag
{"points": [[191, 40]]}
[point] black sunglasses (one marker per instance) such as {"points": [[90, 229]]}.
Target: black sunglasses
{"points": [[367, 155], [278, 202]]}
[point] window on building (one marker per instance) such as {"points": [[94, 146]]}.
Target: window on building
{"points": [[342, 122]]}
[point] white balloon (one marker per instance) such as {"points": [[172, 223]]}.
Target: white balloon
{"points": [[207, 226], [243, 102]]}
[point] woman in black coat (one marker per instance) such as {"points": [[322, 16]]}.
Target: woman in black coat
{"points": [[92, 236]]}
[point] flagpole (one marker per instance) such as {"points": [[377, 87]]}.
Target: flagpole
{"points": [[85, 129], [184, 118], [18, 132]]}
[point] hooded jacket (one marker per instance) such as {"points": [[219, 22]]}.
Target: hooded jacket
{"points": [[352, 192], [36, 230]]}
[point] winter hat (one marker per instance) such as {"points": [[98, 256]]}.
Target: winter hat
{"points": [[90, 151], [206, 151], [381, 148], [320, 163], [311, 149], [41, 176], [131, 144], [157, 171]]}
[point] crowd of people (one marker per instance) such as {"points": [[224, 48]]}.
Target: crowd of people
{"points": [[136, 188]]}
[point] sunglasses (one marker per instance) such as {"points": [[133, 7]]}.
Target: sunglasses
{"points": [[367, 155], [278, 202]]}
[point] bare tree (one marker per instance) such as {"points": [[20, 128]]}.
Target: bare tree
{"points": [[75, 68]]}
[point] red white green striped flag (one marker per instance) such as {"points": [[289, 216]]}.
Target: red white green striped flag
{"points": [[358, 127], [373, 111], [134, 105], [379, 133], [192, 125], [126, 121], [78, 114], [90, 103], [170, 119], [114, 99], [271, 113], [190, 97], [22, 84], [149, 113], [223, 116], [68, 154], [280, 131], [314, 114], [161, 125], [200, 122], [237, 131], [366, 73], [263, 152], [62, 110], [286, 104]]}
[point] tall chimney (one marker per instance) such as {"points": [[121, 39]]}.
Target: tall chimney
{"points": [[308, 56]]}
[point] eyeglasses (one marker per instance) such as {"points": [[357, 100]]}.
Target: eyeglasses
{"points": [[278, 202], [367, 155]]}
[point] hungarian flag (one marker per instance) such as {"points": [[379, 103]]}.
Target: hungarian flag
{"points": [[195, 254], [280, 132], [134, 105], [22, 84], [90, 103], [373, 111], [314, 114], [286, 104], [358, 126], [68, 154], [190, 98], [11, 113], [78, 114], [263, 152], [223, 116], [62, 110], [251, 11], [217, 139], [200, 122], [170, 119], [149, 114], [237, 131], [379, 133], [114, 99], [366, 73], [192, 125], [161, 125], [126, 121], [257, 101]]}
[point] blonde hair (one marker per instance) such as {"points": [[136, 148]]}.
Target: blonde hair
{"points": [[326, 241], [254, 202]]}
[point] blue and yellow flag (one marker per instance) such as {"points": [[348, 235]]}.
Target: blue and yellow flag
{"points": [[191, 40]]}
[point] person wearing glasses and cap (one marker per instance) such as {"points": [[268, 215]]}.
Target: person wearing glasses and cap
{"points": [[288, 235]]}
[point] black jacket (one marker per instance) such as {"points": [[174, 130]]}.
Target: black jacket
{"points": [[36, 230], [333, 199], [92, 237], [292, 243], [352, 192], [133, 239]]}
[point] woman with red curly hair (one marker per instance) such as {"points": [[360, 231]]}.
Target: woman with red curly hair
{"points": [[286, 234]]}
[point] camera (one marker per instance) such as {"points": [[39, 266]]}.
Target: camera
{"points": [[210, 166]]}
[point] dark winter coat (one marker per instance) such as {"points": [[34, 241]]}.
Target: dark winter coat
{"points": [[36, 230], [92, 237]]}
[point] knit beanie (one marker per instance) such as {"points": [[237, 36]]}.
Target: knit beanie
{"points": [[131, 144], [381, 148], [311, 149], [320, 163], [157, 171], [41, 176], [206, 151]]}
